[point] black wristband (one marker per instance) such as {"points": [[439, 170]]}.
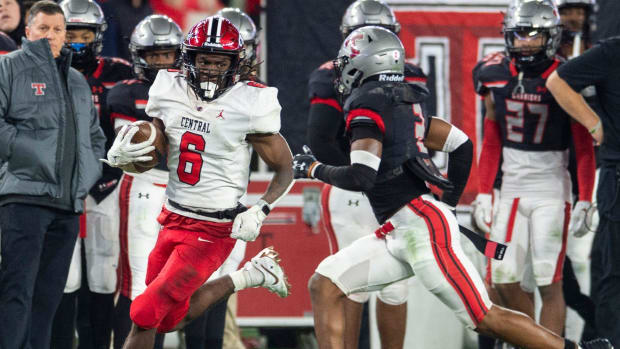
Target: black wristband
{"points": [[266, 209], [264, 206]]}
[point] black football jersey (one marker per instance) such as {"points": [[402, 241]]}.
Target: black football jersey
{"points": [[101, 78], [524, 108], [108, 71], [127, 100], [395, 108], [321, 90]]}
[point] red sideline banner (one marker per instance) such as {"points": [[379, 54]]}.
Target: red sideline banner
{"points": [[301, 249], [447, 45]]}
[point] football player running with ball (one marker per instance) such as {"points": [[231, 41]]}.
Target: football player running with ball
{"points": [[419, 234], [210, 116]]}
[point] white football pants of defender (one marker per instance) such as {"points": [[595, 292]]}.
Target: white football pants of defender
{"points": [[141, 198], [101, 246], [425, 242], [534, 225], [348, 216]]}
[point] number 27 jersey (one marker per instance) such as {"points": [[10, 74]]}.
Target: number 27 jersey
{"points": [[535, 130], [208, 155]]}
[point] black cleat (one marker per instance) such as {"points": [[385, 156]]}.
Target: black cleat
{"points": [[600, 343]]}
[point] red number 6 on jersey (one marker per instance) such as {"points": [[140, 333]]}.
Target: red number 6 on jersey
{"points": [[190, 160]]}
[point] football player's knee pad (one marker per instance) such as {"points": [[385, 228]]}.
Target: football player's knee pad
{"points": [[361, 297], [181, 282], [143, 312], [394, 294]]}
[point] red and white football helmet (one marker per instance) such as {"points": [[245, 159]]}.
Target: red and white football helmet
{"points": [[218, 36]]}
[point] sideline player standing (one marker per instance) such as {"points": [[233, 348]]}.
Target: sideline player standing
{"points": [[531, 133], [155, 44], [420, 233], [347, 214], [98, 261], [210, 117]]}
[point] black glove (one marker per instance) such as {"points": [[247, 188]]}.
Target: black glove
{"points": [[303, 163]]}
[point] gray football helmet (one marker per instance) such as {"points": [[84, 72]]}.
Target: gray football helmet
{"points": [[84, 14], [247, 29], [369, 51], [588, 25], [527, 19], [568, 3], [368, 12], [155, 32]]}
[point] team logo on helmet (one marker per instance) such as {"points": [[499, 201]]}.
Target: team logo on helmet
{"points": [[352, 45]]}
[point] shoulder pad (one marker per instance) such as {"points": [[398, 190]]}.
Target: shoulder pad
{"points": [[378, 95], [321, 82], [493, 71], [413, 73], [119, 93], [115, 61]]}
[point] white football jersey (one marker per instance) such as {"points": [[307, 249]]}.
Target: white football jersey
{"points": [[208, 155], [535, 174]]}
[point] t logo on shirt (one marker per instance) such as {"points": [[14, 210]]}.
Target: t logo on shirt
{"points": [[38, 88]]}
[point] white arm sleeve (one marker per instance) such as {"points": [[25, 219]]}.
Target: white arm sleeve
{"points": [[365, 158], [455, 139]]}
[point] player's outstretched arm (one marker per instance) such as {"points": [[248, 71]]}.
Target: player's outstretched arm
{"points": [[445, 137], [274, 150], [359, 176], [488, 165]]}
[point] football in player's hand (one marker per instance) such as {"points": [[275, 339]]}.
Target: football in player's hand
{"points": [[143, 134]]}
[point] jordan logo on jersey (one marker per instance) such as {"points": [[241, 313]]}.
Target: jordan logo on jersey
{"points": [[195, 125], [220, 116]]}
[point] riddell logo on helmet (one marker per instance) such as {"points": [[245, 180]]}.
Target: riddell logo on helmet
{"points": [[391, 77], [212, 44]]}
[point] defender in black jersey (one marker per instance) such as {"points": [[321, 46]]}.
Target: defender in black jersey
{"points": [[532, 134], [96, 255], [154, 45], [419, 234], [326, 136]]}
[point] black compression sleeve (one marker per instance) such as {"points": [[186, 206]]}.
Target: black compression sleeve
{"points": [[459, 165], [356, 177], [365, 130], [324, 124]]}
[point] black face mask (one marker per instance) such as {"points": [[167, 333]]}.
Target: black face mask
{"points": [[83, 57]]}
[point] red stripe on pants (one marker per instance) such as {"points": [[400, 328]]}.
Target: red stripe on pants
{"points": [[327, 219], [124, 267], [453, 270], [559, 266], [511, 219]]}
